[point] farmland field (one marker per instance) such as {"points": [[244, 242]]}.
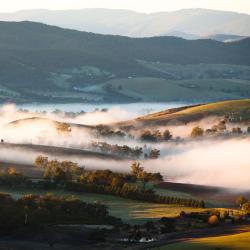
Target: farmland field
{"points": [[162, 90]]}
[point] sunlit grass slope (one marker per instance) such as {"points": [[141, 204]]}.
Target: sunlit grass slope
{"points": [[240, 108], [232, 242]]}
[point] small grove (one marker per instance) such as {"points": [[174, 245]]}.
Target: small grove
{"points": [[35, 210], [146, 135], [218, 129], [156, 136], [243, 203], [132, 153]]}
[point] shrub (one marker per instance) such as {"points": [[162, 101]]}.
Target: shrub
{"points": [[213, 220], [197, 132]]}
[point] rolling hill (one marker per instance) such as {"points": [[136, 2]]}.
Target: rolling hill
{"points": [[189, 23], [184, 115], [49, 64], [35, 121]]}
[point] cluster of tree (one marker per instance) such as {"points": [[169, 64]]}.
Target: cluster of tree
{"points": [[138, 173], [153, 154], [106, 131], [66, 171], [103, 178], [35, 210], [219, 216], [243, 203], [117, 180], [197, 132], [69, 114], [156, 136], [220, 126], [62, 113], [63, 128], [116, 149], [59, 172], [216, 129], [134, 153]]}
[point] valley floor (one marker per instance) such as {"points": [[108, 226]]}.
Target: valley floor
{"points": [[219, 238]]}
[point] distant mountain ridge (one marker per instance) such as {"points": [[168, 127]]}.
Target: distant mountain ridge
{"points": [[187, 23], [39, 62], [226, 38]]}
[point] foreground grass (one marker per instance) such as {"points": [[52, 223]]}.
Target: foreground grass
{"points": [[129, 211], [232, 242]]}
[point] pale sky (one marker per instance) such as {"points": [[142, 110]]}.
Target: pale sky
{"points": [[137, 5]]}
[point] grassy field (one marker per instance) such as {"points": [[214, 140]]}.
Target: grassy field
{"points": [[232, 242], [161, 90], [129, 210]]}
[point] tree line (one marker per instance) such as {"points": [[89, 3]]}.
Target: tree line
{"points": [[69, 176], [131, 185], [133, 153]]}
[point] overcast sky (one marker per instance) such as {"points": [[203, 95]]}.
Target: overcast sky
{"points": [[137, 5]]}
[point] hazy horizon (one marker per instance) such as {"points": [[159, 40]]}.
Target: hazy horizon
{"points": [[241, 6], [117, 9]]}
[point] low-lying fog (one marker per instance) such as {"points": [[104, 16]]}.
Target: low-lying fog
{"points": [[219, 163], [116, 112], [207, 162]]}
